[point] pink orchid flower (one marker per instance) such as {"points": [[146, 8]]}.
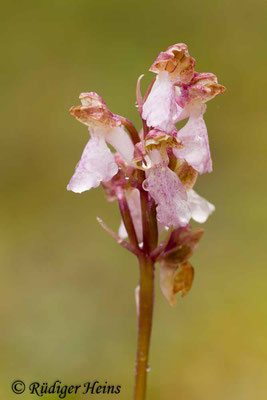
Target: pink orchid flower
{"points": [[152, 174], [173, 66], [97, 163]]}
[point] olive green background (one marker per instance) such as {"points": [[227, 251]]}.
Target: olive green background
{"points": [[67, 290]]}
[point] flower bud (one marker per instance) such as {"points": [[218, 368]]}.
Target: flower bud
{"points": [[175, 280]]}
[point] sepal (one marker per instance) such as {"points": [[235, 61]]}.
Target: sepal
{"points": [[175, 280], [177, 61], [181, 245]]}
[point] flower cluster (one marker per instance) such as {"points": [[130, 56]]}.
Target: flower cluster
{"points": [[160, 162]]}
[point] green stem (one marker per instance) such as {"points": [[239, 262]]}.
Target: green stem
{"points": [[146, 302]]}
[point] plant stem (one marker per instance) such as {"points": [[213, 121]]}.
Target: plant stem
{"points": [[146, 291], [146, 302], [131, 129], [127, 218]]}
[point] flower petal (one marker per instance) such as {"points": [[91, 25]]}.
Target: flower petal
{"points": [[102, 122], [174, 280], [160, 109], [200, 207], [169, 194], [177, 61], [181, 245], [91, 99], [194, 138], [204, 86], [96, 164], [120, 140], [94, 112]]}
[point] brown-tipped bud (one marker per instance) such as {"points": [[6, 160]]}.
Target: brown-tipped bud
{"points": [[177, 61], [91, 99], [205, 86], [175, 280], [181, 245], [94, 111], [94, 115]]}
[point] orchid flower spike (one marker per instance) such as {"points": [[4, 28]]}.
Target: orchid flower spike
{"points": [[151, 174], [97, 163]]}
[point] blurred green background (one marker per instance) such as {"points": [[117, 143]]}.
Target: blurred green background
{"points": [[67, 290]]}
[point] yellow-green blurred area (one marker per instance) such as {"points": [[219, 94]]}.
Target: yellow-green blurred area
{"points": [[67, 289]]}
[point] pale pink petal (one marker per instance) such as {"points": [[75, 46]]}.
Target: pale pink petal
{"points": [[96, 164], [182, 99], [102, 122], [184, 114], [169, 194], [200, 207], [134, 202], [160, 109], [194, 138], [120, 140]]}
